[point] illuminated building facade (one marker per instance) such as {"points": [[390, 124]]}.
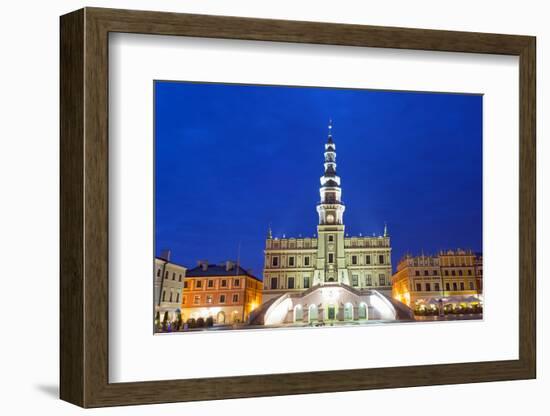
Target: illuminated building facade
{"points": [[451, 275], [168, 285], [225, 292], [331, 278], [294, 265]]}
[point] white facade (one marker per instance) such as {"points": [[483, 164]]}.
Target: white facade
{"points": [[296, 264], [169, 280]]}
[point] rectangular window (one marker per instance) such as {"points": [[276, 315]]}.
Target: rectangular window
{"points": [[177, 297], [369, 280], [235, 298], [353, 259], [306, 282], [455, 287], [425, 272], [180, 277], [273, 283], [436, 287], [471, 285], [417, 273], [435, 273], [428, 287], [290, 283], [236, 282], [197, 299], [330, 238], [184, 300], [171, 295], [382, 280], [447, 286], [461, 285], [275, 261], [355, 280], [208, 298], [367, 260], [381, 259], [224, 283], [198, 284], [210, 283], [330, 258], [446, 272], [163, 295], [222, 298], [173, 275], [460, 272], [418, 287], [306, 261], [166, 274], [185, 284], [291, 261], [158, 272]]}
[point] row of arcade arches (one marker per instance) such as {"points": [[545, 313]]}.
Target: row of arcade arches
{"points": [[331, 313]]}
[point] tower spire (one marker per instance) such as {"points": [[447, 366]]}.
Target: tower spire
{"points": [[331, 229], [269, 233], [385, 229], [330, 208]]}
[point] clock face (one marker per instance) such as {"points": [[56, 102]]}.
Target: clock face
{"points": [[330, 218]]}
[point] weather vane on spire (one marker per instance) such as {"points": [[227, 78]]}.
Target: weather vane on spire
{"points": [[330, 130]]}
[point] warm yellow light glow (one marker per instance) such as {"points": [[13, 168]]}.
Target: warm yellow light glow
{"points": [[403, 297]]}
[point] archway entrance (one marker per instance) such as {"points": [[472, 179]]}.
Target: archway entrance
{"points": [[313, 313], [348, 312], [220, 318], [363, 311], [235, 317], [331, 313], [298, 313]]}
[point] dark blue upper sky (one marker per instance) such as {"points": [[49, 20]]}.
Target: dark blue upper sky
{"points": [[230, 159]]}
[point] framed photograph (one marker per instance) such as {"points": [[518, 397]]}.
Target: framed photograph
{"points": [[255, 207]]}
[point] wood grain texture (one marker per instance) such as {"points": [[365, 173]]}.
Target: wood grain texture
{"points": [[84, 207], [71, 100]]}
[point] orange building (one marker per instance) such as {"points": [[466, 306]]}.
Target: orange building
{"points": [[225, 292], [454, 275]]}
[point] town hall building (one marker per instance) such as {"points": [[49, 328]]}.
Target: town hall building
{"points": [[331, 257]]}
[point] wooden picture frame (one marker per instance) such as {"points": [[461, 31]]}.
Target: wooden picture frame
{"points": [[84, 207]]}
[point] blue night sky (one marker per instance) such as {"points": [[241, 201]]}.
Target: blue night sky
{"points": [[231, 159]]}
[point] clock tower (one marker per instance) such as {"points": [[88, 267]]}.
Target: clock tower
{"points": [[331, 259]]}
